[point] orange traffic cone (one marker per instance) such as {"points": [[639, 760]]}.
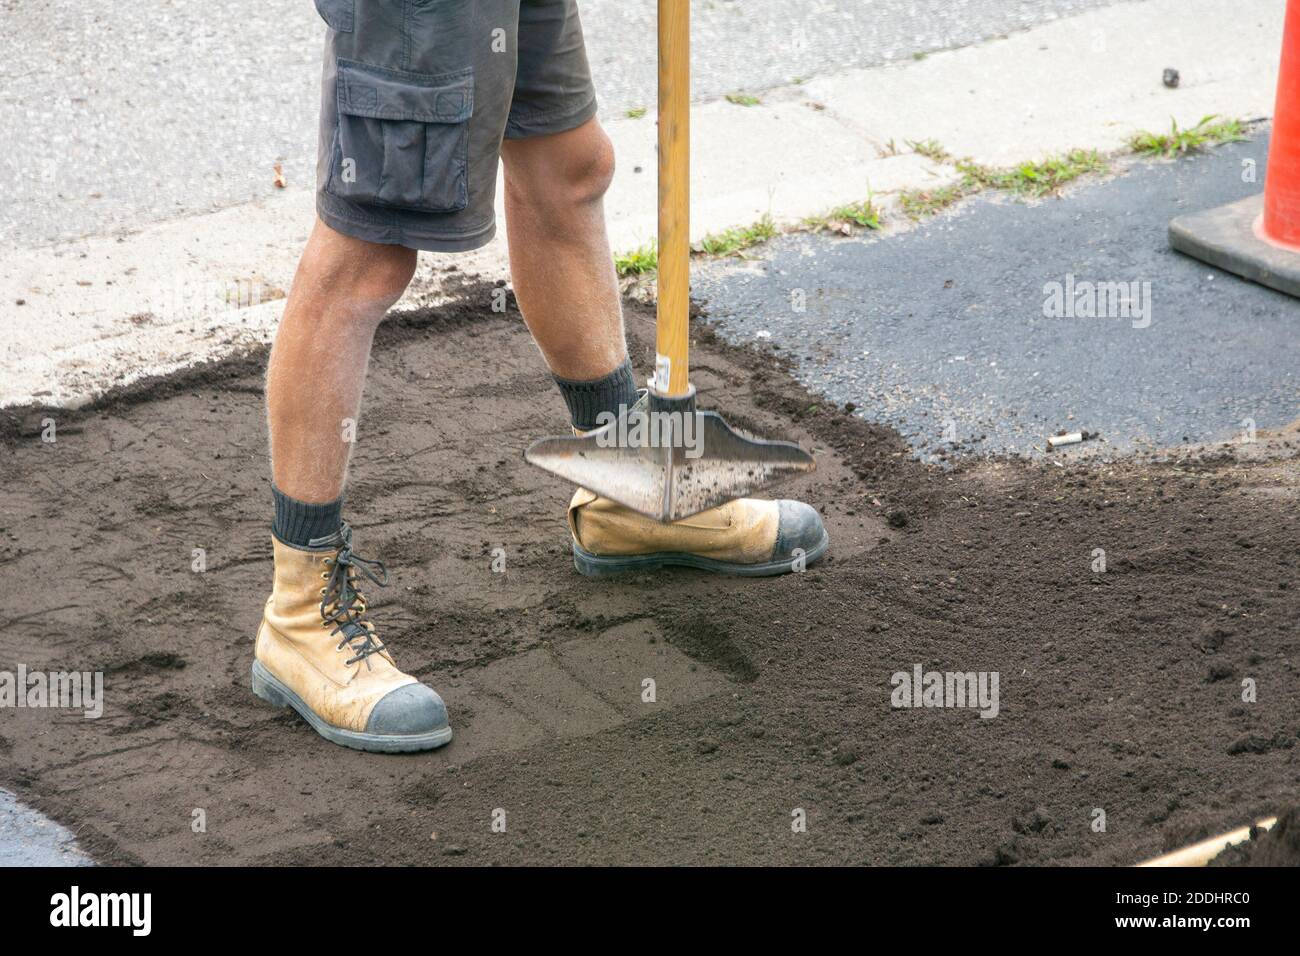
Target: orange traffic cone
{"points": [[1281, 221], [1259, 237]]}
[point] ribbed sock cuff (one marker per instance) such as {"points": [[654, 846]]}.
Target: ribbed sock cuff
{"points": [[586, 400], [298, 522]]}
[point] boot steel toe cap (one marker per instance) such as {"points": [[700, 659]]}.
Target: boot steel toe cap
{"points": [[799, 529], [408, 710]]}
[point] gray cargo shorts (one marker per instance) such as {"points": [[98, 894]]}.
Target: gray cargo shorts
{"points": [[417, 96]]}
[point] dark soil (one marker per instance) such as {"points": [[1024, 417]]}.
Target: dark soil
{"points": [[1119, 691]]}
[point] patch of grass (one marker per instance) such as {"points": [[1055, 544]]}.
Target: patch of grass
{"points": [[731, 242], [743, 99], [734, 241], [642, 261], [863, 214], [846, 219], [1207, 132], [919, 203], [1043, 178], [919, 55], [636, 112], [1033, 179], [929, 148]]}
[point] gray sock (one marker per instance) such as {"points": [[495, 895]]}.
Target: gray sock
{"points": [[298, 522], [586, 400]]}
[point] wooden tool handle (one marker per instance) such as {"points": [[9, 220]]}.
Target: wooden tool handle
{"points": [[674, 196]]}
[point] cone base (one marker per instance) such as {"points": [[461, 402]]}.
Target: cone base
{"points": [[1226, 237]]}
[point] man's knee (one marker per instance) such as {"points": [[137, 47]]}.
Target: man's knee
{"points": [[591, 175], [568, 170], [370, 275]]}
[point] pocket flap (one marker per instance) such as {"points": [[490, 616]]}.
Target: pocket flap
{"points": [[398, 95]]}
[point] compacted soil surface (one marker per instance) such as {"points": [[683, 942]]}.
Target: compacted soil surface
{"points": [[137, 544]]}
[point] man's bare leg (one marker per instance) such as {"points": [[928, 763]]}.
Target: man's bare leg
{"points": [[564, 279], [343, 289], [560, 261], [317, 649]]}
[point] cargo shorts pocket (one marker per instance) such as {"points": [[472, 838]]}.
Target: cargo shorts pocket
{"points": [[402, 138], [338, 14]]}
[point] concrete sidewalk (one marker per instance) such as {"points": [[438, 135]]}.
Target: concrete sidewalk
{"points": [[81, 317]]}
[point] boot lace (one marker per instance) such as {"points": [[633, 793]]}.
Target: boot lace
{"points": [[342, 603]]}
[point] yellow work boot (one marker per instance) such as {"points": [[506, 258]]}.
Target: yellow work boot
{"points": [[745, 536], [318, 653]]}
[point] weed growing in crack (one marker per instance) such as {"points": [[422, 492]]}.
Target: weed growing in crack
{"points": [[732, 242], [1177, 141], [1035, 179], [641, 261], [846, 219]]}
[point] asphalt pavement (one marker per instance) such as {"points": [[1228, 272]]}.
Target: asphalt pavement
{"points": [[954, 332]]}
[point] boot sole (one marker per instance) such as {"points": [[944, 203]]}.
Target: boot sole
{"points": [[272, 690], [597, 566]]}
